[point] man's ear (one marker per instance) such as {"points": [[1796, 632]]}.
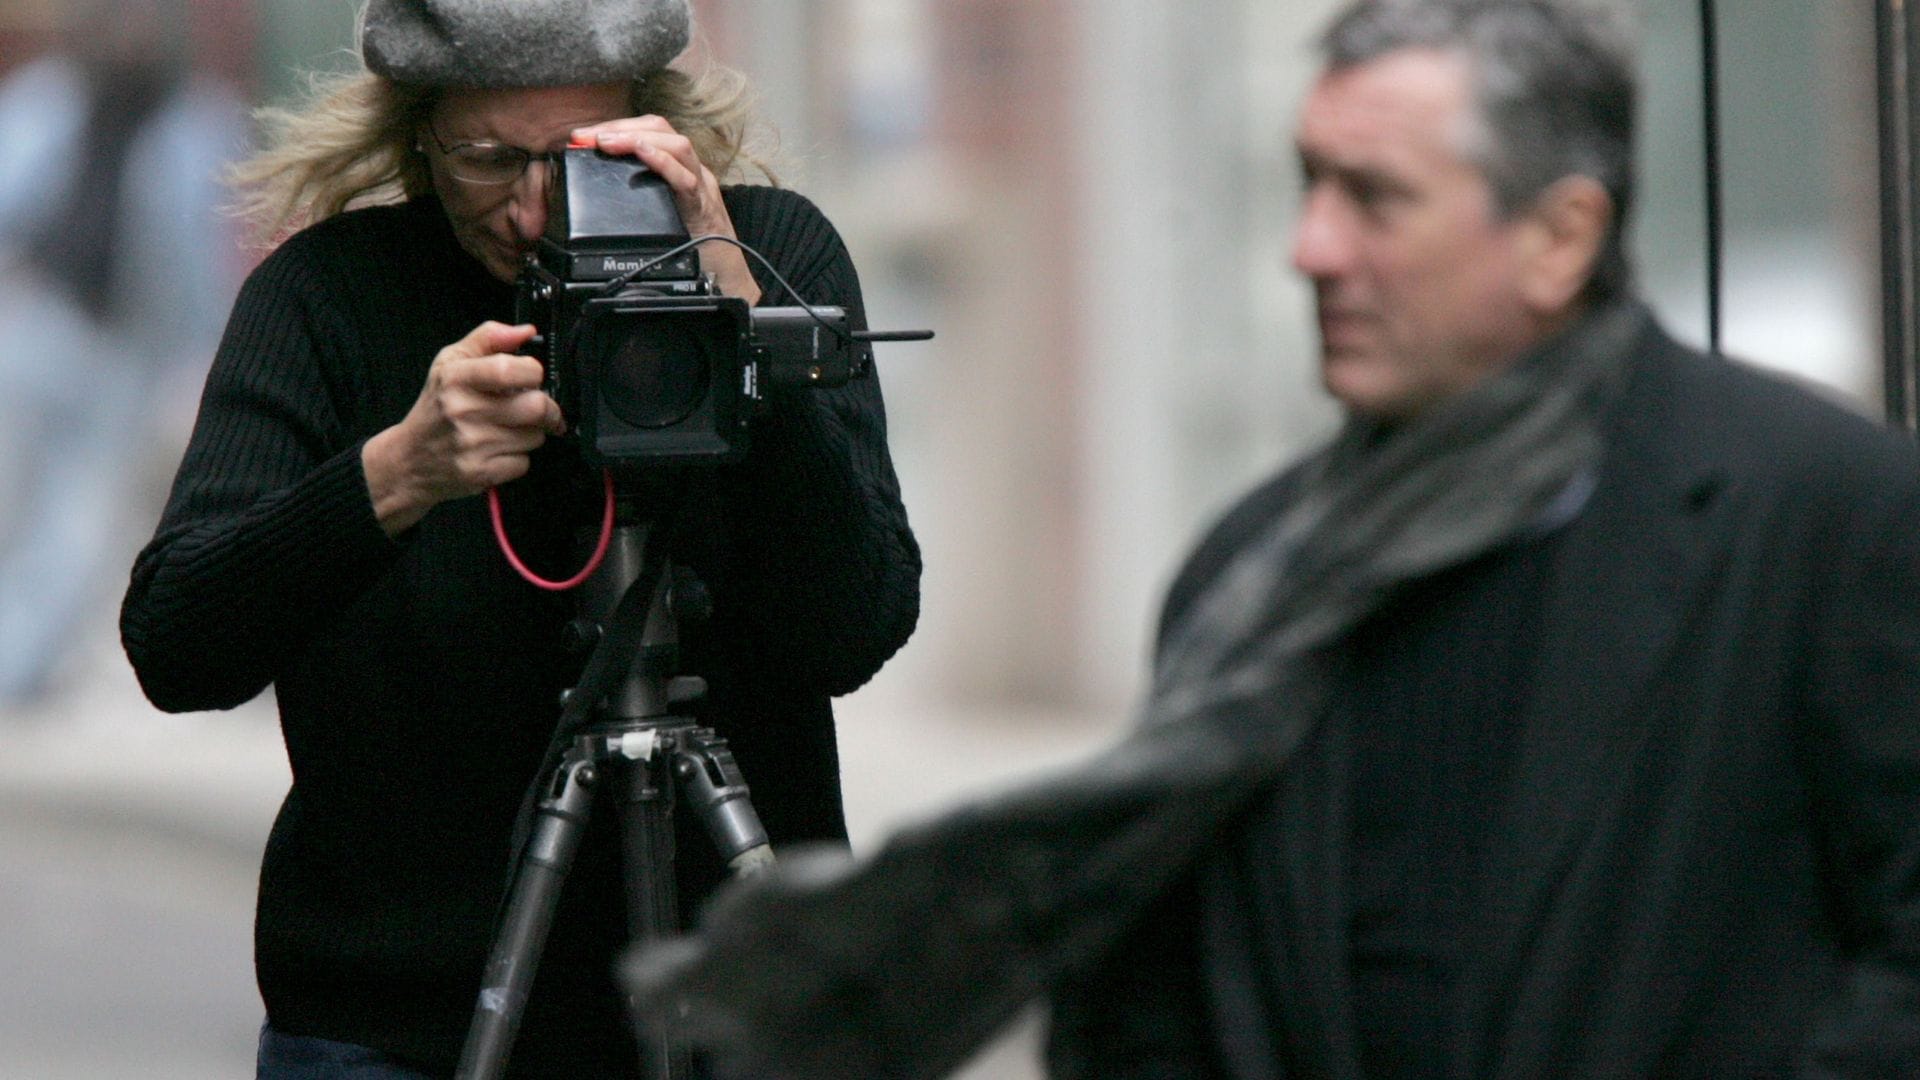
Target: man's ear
{"points": [[1560, 242]]}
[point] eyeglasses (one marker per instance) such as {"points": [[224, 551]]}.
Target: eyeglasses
{"points": [[485, 162]]}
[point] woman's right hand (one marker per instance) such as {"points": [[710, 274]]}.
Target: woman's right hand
{"points": [[480, 414]]}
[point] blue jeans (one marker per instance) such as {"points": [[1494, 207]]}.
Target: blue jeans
{"points": [[304, 1057]]}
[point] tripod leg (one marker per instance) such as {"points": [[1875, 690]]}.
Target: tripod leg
{"points": [[653, 906], [717, 791], [558, 826]]}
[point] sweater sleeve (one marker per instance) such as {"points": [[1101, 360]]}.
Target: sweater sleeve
{"points": [[826, 569], [269, 529]]}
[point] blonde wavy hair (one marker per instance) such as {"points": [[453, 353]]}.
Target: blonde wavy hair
{"points": [[355, 143]]}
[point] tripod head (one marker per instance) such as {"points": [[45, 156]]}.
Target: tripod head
{"points": [[653, 685], [622, 717], [632, 691]]}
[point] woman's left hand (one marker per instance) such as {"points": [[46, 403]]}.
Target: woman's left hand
{"points": [[696, 191]]}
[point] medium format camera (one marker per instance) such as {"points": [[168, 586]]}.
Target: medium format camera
{"points": [[648, 361]]}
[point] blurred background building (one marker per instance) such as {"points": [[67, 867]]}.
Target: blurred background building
{"points": [[1089, 201]]}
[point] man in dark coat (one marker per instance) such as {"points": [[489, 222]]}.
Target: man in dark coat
{"points": [[1558, 720], [1635, 793]]}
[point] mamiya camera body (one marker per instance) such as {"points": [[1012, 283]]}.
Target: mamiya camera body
{"points": [[648, 361]]}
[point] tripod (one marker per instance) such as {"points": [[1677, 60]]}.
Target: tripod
{"points": [[618, 722]]}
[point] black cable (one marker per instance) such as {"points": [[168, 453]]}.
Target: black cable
{"points": [[1710, 89], [627, 279]]}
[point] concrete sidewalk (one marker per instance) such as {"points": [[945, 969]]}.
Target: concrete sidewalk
{"points": [[131, 842]]}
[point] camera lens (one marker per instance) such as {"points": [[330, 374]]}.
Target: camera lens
{"points": [[656, 371]]}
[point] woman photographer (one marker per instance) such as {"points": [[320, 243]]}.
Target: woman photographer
{"points": [[324, 535]]}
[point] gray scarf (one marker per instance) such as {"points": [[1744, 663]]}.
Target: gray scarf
{"points": [[904, 964]]}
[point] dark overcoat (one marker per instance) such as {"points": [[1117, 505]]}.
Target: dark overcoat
{"points": [[1707, 864]]}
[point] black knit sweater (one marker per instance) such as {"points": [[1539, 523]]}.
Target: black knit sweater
{"points": [[416, 678]]}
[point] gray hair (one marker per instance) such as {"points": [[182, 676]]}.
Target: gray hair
{"points": [[1556, 90]]}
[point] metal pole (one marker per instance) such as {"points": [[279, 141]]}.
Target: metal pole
{"points": [[1710, 140], [1894, 26]]}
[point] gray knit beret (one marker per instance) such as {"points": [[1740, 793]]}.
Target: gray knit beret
{"points": [[521, 43]]}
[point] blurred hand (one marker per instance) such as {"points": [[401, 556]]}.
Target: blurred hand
{"points": [[696, 191], [479, 415]]}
